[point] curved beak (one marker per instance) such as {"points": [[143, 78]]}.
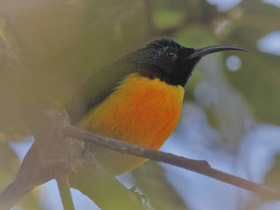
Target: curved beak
{"points": [[200, 52]]}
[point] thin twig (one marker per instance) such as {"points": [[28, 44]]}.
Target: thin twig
{"points": [[149, 17], [65, 194], [201, 167]]}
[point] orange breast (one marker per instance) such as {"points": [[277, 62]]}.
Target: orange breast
{"points": [[140, 111]]}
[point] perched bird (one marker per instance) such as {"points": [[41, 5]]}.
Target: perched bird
{"points": [[137, 99]]}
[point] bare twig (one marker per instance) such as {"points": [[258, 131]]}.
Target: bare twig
{"points": [[149, 17], [65, 194], [198, 166]]}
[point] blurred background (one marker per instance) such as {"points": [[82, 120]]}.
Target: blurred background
{"points": [[231, 112]]}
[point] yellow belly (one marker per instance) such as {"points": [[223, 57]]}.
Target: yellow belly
{"points": [[140, 111]]}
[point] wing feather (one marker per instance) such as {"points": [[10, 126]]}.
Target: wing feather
{"points": [[97, 88]]}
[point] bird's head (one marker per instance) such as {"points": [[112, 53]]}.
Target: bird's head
{"points": [[171, 62]]}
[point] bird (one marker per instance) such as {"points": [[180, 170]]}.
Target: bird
{"points": [[137, 99]]}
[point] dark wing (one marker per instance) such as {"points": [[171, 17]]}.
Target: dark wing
{"points": [[97, 88]]}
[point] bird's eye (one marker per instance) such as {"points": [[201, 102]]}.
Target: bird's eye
{"points": [[172, 56]]}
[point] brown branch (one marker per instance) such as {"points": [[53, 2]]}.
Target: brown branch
{"points": [[51, 155], [65, 194], [201, 167]]}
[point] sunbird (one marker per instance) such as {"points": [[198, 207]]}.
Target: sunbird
{"points": [[137, 99]]}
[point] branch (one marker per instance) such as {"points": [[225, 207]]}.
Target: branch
{"points": [[65, 193], [51, 155], [89, 177], [149, 17], [201, 167]]}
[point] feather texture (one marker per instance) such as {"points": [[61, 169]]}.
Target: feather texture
{"points": [[141, 111]]}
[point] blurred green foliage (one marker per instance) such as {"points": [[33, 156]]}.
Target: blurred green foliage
{"points": [[166, 17]]}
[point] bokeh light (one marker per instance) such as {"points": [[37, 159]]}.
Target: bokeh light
{"points": [[233, 63]]}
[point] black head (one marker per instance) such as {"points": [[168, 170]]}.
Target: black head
{"points": [[171, 62]]}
